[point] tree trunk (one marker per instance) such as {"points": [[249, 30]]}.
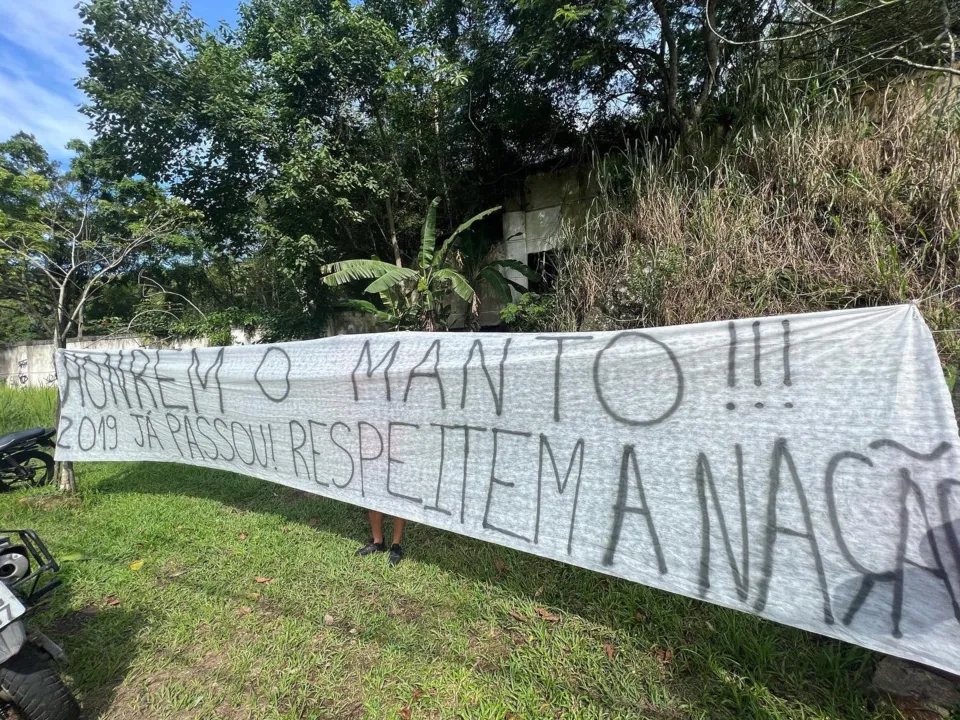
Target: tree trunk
{"points": [[63, 472], [391, 226]]}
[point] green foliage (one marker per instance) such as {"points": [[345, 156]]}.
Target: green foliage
{"points": [[384, 274], [310, 133], [420, 298], [833, 204], [530, 313], [302, 131], [476, 257], [16, 327], [64, 236]]}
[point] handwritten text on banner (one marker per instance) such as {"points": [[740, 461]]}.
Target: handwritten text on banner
{"points": [[801, 468]]}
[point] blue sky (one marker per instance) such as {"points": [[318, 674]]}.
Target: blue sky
{"points": [[40, 61]]}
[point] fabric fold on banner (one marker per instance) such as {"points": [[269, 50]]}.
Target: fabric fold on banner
{"points": [[802, 468]]}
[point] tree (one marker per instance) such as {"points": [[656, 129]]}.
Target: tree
{"points": [[848, 41], [422, 296], [65, 236], [26, 179], [271, 130], [313, 132]]}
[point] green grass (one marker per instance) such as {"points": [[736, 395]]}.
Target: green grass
{"points": [[447, 632], [22, 408], [454, 631]]}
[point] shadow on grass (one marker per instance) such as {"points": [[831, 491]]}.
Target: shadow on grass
{"points": [[100, 643], [720, 657]]}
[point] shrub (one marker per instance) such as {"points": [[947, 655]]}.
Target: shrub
{"points": [[530, 313]]}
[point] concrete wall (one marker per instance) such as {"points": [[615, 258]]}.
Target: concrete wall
{"points": [[534, 216], [30, 364]]}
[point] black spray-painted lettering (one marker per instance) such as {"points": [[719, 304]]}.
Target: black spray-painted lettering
{"points": [[895, 575], [443, 449], [215, 453], [556, 367], [193, 376], [280, 355], [391, 461], [151, 433], [295, 451], [677, 381], [118, 379], [221, 427], [561, 487], [346, 452], [389, 357], [367, 458], [434, 350], [138, 380], [313, 424], [261, 456], [171, 418], [87, 422], [66, 422], [909, 487], [72, 378], [161, 379], [741, 571], [191, 437], [87, 362], [781, 456], [621, 509], [497, 392], [494, 480]]}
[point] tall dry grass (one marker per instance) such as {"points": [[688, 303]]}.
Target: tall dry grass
{"points": [[832, 203]]}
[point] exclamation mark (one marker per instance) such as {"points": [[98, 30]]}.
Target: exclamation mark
{"points": [[786, 353], [732, 356], [756, 353]]}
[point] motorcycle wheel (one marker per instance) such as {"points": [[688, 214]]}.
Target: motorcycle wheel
{"points": [[32, 688], [37, 466]]}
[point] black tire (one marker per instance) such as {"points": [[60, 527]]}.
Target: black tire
{"points": [[35, 687], [37, 464]]}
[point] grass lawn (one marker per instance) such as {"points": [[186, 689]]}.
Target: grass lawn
{"points": [[194, 593], [249, 603]]}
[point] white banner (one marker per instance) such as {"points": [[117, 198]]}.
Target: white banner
{"points": [[800, 468]]}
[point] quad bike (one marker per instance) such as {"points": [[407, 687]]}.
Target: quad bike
{"points": [[30, 686], [22, 459]]}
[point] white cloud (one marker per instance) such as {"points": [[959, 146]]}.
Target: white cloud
{"points": [[39, 63], [44, 29], [52, 117]]}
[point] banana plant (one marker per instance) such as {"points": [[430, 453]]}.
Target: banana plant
{"points": [[419, 296], [476, 259]]}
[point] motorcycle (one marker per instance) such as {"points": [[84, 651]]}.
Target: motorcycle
{"points": [[30, 686], [23, 461]]}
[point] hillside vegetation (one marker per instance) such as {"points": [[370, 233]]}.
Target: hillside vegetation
{"points": [[832, 202]]}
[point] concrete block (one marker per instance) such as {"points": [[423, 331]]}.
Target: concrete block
{"points": [[543, 226], [514, 225], [544, 190]]}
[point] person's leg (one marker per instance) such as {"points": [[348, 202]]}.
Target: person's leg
{"points": [[376, 525], [398, 525], [376, 543], [396, 551]]}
